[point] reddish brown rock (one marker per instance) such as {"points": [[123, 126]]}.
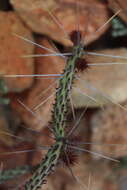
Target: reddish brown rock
{"points": [[117, 5], [11, 50], [109, 126], [37, 15], [103, 84], [90, 175], [11, 161]]}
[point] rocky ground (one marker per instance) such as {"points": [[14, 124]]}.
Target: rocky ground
{"points": [[101, 90]]}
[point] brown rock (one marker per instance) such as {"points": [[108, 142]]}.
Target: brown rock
{"points": [[11, 50], [117, 5], [90, 175], [41, 90], [37, 16], [11, 161], [110, 127], [104, 84]]}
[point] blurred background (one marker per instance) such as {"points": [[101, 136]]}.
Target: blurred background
{"points": [[26, 98]]}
